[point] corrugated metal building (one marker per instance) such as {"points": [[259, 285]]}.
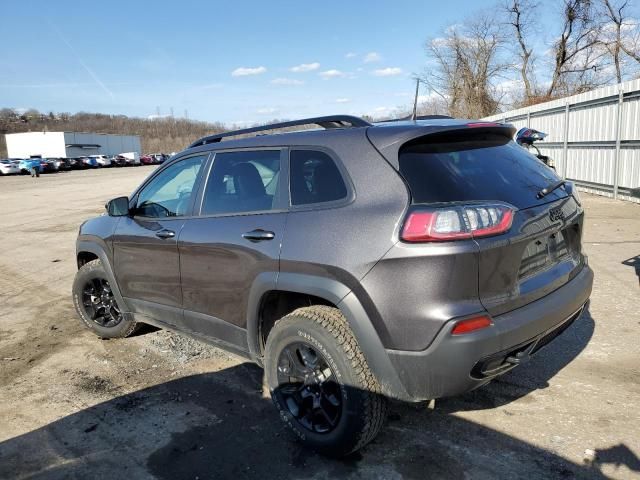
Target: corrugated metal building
{"points": [[594, 137], [69, 144]]}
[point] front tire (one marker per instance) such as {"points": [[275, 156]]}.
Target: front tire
{"points": [[96, 305], [320, 381]]}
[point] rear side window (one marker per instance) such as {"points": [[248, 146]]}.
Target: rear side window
{"points": [[447, 168], [246, 181], [315, 178]]}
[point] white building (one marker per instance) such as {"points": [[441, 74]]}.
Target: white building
{"points": [[69, 144]]}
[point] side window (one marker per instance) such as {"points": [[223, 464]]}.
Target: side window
{"points": [[314, 178], [242, 182], [169, 193]]}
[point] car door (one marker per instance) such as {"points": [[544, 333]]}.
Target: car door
{"points": [[146, 260], [235, 239]]}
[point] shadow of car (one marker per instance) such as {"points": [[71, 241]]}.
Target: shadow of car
{"points": [[220, 425], [635, 263]]}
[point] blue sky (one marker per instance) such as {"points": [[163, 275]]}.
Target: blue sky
{"points": [[131, 58]]}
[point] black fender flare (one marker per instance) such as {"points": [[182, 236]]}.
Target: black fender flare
{"points": [[351, 307], [99, 251]]}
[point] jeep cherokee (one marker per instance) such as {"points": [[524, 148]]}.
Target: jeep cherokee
{"points": [[355, 262]]}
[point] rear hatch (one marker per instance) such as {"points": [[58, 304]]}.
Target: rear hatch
{"points": [[541, 251]]}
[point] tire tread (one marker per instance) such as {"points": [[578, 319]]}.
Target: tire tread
{"points": [[333, 321], [133, 327]]}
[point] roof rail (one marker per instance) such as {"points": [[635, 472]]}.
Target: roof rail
{"points": [[432, 117], [332, 121], [420, 117]]}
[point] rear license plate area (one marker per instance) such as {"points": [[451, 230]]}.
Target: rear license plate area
{"points": [[544, 252]]}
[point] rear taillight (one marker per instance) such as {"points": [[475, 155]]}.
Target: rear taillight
{"points": [[471, 325], [457, 222]]}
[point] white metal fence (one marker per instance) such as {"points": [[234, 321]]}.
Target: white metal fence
{"points": [[594, 137]]}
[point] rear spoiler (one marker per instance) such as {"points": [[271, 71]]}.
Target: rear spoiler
{"points": [[389, 139]]}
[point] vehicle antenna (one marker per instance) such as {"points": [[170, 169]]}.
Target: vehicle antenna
{"points": [[414, 116]]}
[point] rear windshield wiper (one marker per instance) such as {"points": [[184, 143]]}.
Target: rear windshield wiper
{"points": [[550, 188]]}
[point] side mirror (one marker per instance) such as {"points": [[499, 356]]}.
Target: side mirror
{"points": [[118, 207]]}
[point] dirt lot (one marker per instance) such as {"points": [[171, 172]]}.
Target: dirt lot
{"points": [[159, 406]]}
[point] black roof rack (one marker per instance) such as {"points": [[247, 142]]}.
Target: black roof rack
{"points": [[432, 117], [421, 117], [332, 121]]}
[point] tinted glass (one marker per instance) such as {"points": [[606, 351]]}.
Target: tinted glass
{"points": [[242, 182], [480, 167], [169, 193], [315, 178]]}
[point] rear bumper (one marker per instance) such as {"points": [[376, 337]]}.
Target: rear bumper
{"points": [[456, 364]]}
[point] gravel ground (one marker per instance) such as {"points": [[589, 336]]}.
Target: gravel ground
{"points": [[159, 405]]}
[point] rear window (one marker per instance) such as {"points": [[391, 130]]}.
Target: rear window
{"points": [[447, 168]]}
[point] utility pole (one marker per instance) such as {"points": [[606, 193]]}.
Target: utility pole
{"points": [[415, 101]]}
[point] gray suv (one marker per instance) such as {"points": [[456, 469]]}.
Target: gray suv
{"points": [[355, 262]]}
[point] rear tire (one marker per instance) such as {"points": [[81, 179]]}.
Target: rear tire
{"points": [[337, 408], [96, 305]]}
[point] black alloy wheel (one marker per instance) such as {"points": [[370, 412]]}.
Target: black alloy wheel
{"points": [[308, 388], [99, 303]]}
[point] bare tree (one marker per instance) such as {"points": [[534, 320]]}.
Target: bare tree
{"points": [[621, 38], [466, 64], [521, 20], [433, 105], [576, 53]]}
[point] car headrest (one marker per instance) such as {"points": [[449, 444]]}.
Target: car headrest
{"points": [[324, 182], [247, 180]]}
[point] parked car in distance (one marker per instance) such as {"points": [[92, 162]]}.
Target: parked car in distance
{"points": [[160, 157], [153, 158], [47, 166], [56, 164], [75, 163], [119, 161], [88, 162], [420, 259], [147, 160], [78, 163], [132, 158], [102, 160], [25, 165], [64, 164], [8, 167]]}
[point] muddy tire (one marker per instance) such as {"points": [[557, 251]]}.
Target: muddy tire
{"points": [[320, 382], [95, 303]]}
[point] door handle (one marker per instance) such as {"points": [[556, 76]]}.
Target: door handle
{"points": [[258, 235], [164, 233]]}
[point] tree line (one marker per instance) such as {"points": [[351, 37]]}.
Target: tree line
{"points": [[157, 135], [489, 62]]}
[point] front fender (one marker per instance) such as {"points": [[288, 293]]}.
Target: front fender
{"points": [[96, 248]]}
